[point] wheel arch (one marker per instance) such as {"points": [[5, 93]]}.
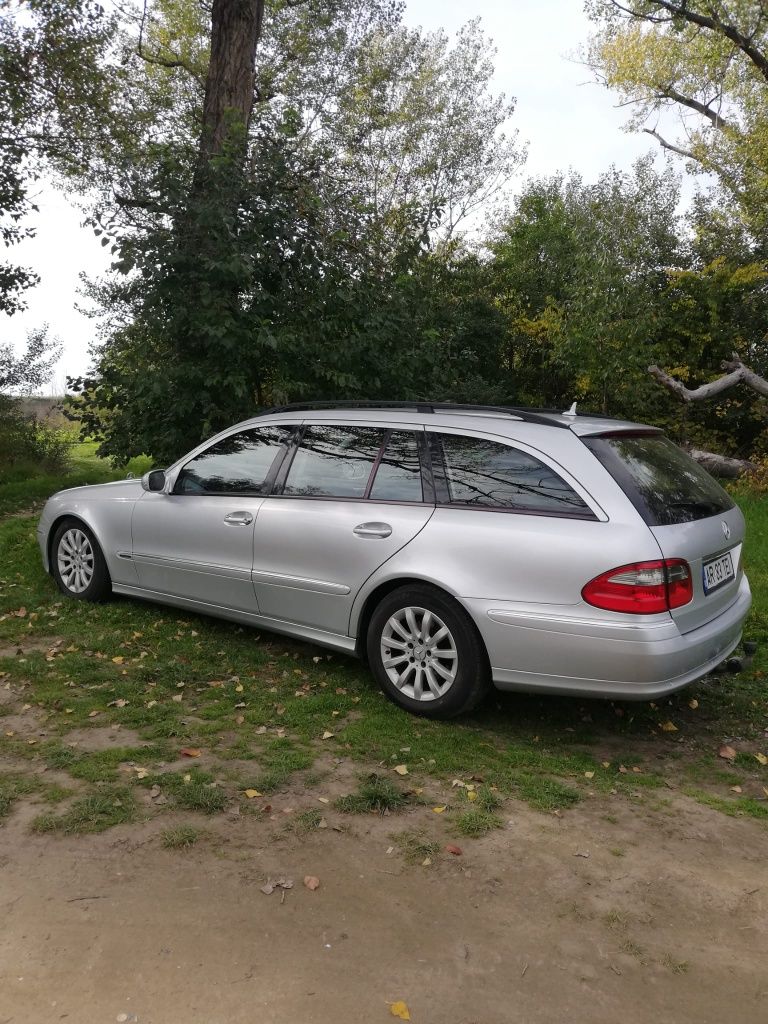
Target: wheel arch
{"points": [[380, 591], [63, 517]]}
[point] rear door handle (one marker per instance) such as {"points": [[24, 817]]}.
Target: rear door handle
{"points": [[238, 519], [373, 530]]}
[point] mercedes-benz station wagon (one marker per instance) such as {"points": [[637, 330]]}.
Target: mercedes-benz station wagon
{"points": [[454, 548]]}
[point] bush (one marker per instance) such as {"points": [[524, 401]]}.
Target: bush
{"points": [[27, 445]]}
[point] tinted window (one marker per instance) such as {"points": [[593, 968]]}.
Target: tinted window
{"points": [[236, 465], [334, 462], [398, 477], [485, 474], [663, 483]]}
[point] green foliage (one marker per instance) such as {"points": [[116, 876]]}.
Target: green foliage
{"points": [[708, 61], [375, 795]]}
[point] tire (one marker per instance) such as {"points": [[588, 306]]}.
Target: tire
{"points": [[78, 564], [438, 681]]}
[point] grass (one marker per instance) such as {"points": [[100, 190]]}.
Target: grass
{"points": [[181, 837], [416, 846], [94, 812], [256, 706], [375, 795], [476, 822], [305, 821]]}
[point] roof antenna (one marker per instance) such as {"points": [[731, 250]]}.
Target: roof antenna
{"points": [[571, 411]]}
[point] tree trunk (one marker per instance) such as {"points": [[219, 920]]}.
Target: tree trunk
{"points": [[721, 465], [235, 31]]}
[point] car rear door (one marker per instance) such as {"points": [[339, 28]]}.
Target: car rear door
{"points": [[688, 513], [196, 541], [349, 497]]}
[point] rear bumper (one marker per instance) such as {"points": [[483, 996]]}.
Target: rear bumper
{"points": [[545, 656]]}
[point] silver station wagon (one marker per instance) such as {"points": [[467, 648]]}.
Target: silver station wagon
{"points": [[452, 547]]}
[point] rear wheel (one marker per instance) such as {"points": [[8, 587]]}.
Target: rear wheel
{"points": [[78, 564], [426, 653]]}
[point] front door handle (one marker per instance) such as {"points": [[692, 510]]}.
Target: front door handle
{"points": [[238, 519], [373, 530]]}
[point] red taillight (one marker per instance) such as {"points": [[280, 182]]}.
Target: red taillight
{"points": [[642, 588]]}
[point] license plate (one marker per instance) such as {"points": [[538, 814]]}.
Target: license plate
{"points": [[718, 572]]}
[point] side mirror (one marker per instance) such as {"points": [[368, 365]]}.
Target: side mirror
{"points": [[154, 480]]}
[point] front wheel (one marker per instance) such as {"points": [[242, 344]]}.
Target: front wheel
{"points": [[426, 653], [78, 564]]}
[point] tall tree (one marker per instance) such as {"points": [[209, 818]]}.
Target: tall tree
{"points": [[706, 60]]}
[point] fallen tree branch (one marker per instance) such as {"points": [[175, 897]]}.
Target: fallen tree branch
{"points": [[737, 373], [721, 465]]}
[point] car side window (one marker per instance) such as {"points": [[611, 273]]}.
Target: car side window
{"points": [[334, 462], [238, 464], [484, 474], [398, 477]]}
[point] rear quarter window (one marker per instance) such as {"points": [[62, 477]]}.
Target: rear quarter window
{"points": [[666, 486]]}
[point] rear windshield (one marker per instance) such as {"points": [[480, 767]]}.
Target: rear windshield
{"points": [[663, 483]]}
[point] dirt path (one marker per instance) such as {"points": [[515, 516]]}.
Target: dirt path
{"points": [[665, 920]]}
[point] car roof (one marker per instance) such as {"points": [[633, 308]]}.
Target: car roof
{"points": [[447, 414]]}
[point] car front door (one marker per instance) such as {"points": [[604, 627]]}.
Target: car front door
{"points": [[196, 542], [347, 499]]}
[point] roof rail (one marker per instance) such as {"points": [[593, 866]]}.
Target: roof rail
{"points": [[542, 416]]}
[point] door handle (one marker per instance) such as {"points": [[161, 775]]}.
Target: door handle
{"points": [[373, 530], [238, 519]]}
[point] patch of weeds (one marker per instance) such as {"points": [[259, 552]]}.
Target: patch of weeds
{"points": [[181, 837], [194, 791], [546, 794], [487, 799], [616, 851], [305, 821], [279, 760], [95, 812], [476, 822], [415, 846], [676, 966], [632, 949], [375, 794], [99, 765], [742, 806], [615, 919], [12, 786]]}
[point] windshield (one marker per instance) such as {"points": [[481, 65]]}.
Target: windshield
{"points": [[664, 484]]}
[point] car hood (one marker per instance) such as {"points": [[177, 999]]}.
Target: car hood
{"points": [[116, 490]]}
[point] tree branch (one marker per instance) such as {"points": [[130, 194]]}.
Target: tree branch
{"points": [[670, 93], [737, 373], [721, 465], [711, 22]]}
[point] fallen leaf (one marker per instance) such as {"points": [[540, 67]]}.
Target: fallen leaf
{"points": [[267, 889], [439, 810], [311, 882], [21, 613], [399, 1009], [92, 714], [736, 789], [581, 853], [178, 697], [119, 659], [239, 688], [761, 758], [726, 752], [426, 862], [455, 850], [765, 790], [605, 764], [251, 793], [239, 719], [589, 775], [327, 735], [191, 752], [668, 727], [151, 703], [622, 769], [323, 799], [693, 704], [471, 795], [401, 769]]}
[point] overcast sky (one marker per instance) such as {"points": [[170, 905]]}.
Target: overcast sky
{"points": [[567, 121]]}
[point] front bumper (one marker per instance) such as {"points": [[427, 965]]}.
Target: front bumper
{"points": [[640, 662]]}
